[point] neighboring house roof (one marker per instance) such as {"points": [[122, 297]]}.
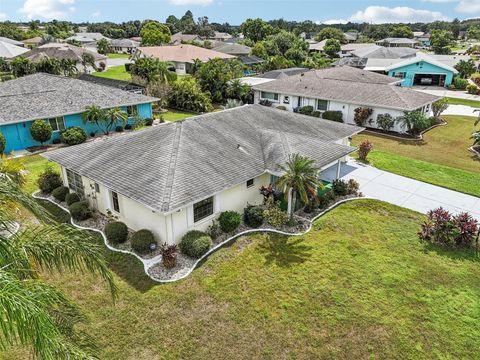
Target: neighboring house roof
{"points": [[232, 49], [42, 95], [351, 61], [351, 36], [451, 60], [350, 85], [136, 38], [283, 73], [419, 34], [254, 80], [221, 35], [179, 37], [118, 84], [182, 53], [398, 41], [317, 46], [382, 52], [87, 37], [203, 155], [418, 58], [355, 46], [11, 41], [61, 51], [251, 60], [128, 43], [33, 41], [8, 50]]}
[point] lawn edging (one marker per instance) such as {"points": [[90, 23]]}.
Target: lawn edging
{"points": [[148, 263]]}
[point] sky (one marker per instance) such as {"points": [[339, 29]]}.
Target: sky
{"points": [[236, 11]]}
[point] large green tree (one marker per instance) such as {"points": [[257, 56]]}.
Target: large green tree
{"points": [[401, 31], [154, 34], [332, 48], [441, 41], [331, 33], [466, 68], [34, 313], [256, 29], [152, 69]]}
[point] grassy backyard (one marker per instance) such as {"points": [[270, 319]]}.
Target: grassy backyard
{"points": [[441, 159], [360, 285], [118, 56], [176, 115], [115, 72], [466, 102]]}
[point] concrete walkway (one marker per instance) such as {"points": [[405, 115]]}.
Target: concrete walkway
{"points": [[461, 110], [447, 93], [399, 190]]}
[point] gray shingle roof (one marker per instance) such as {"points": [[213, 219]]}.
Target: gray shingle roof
{"points": [[349, 85], [281, 73], [60, 51], [42, 95], [232, 49], [172, 165], [382, 52]]}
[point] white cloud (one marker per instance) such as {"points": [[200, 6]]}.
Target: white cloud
{"points": [[400, 14], [332, 21], [468, 6], [191, 2], [47, 9], [440, 1], [96, 14], [3, 16]]}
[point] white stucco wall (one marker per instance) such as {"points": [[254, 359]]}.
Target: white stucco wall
{"points": [[170, 227]]}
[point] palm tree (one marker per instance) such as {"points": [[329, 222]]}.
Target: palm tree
{"points": [[34, 313], [165, 75], [88, 59], [196, 65], [114, 116], [300, 178], [69, 67], [94, 115]]}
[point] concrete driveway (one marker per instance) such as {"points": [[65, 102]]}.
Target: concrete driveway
{"points": [[402, 191], [118, 62]]}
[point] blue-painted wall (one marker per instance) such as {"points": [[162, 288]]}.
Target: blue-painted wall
{"points": [[18, 136], [421, 67]]}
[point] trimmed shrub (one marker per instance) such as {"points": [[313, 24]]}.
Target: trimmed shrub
{"points": [[148, 122], [188, 244], [265, 102], [49, 180], [472, 89], [353, 186], [80, 210], [116, 232], [340, 187], [333, 115], [306, 110], [214, 229], [72, 198], [364, 148], [253, 215], [60, 193], [3, 143], [385, 121], [273, 215], [119, 128], [128, 127], [281, 107], [41, 131], [142, 240], [459, 83], [316, 113], [73, 136], [361, 115], [229, 220]]}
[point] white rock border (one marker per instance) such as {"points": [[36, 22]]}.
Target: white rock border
{"points": [[148, 263]]}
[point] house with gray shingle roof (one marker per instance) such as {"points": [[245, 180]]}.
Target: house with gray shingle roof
{"points": [[61, 101], [344, 89], [179, 176]]}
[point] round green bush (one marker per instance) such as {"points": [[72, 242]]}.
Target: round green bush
{"points": [[3, 143], [142, 240], [116, 232], [253, 216], [200, 246], [128, 127], [188, 244], [74, 136], [60, 193], [148, 122], [229, 220], [49, 180], [80, 210], [72, 198], [41, 131], [119, 128]]}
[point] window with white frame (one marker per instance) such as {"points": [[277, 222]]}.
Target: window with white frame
{"points": [[75, 183], [322, 105], [115, 202], [250, 182], [269, 96], [57, 123], [202, 209], [132, 110]]}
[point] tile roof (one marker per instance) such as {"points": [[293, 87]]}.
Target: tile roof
{"points": [[172, 165], [42, 95], [182, 53], [350, 85]]}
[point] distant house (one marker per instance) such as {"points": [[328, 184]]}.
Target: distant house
{"points": [[422, 38], [351, 36], [61, 101], [180, 176], [33, 42], [344, 89], [124, 46], [65, 51], [233, 49], [180, 38], [86, 38], [397, 42], [182, 56], [12, 41], [220, 36], [317, 47], [347, 49], [8, 50]]}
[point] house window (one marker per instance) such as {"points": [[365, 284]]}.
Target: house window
{"points": [[286, 99], [132, 110], [202, 209], [322, 105], [116, 205], [250, 183], [75, 183], [97, 188], [400, 75], [57, 123], [269, 96]]}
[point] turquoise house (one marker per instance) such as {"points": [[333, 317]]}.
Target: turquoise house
{"points": [[61, 101], [422, 71]]}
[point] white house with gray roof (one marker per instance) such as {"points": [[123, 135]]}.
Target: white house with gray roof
{"points": [[344, 89], [179, 176]]}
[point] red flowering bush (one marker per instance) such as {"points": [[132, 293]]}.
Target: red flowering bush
{"points": [[364, 148], [444, 229]]}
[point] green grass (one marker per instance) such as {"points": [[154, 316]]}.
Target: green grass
{"points": [[176, 115], [442, 158], [118, 56], [35, 165], [466, 102], [360, 285], [115, 72]]}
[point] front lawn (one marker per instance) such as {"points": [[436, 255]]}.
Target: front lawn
{"points": [[118, 56], [35, 165], [466, 102], [359, 286], [176, 115], [115, 72]]}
